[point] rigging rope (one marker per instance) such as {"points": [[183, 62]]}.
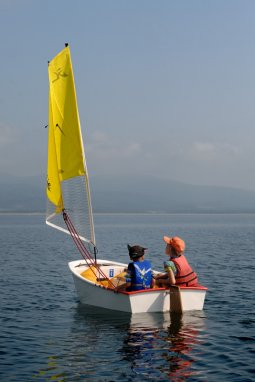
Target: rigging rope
{"points": [[84, 251]]}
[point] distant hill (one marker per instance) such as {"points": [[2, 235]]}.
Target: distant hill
{"points": [[157, 195], [27, 194], [22, 194]]}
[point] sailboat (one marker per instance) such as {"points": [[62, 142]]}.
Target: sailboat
{"points": [[69, 210]]}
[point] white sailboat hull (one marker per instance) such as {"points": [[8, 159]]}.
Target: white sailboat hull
{"points": [[152, 300]]}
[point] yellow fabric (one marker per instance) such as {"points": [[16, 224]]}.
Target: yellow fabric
{"points": [[116, 280], [89, 274], [121, 276], [65, 150], [53, 182]]}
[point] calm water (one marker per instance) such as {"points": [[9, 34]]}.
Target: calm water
{"points": [[47, 335]]}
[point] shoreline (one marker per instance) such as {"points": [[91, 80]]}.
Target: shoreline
{"points": [[9, 213]]}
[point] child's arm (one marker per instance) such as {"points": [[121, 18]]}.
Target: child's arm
{"points": [[168, 278], [160, 276], [122, 287], [127, 284], [171, 276]]}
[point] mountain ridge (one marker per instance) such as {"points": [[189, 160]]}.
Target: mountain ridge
{"points": [[123, 194]]}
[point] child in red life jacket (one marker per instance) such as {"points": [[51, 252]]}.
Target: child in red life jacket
{"points": [[177, 269], [139, 273]]}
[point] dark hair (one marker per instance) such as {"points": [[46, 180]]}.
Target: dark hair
{"points": [[136, 251], [173, 250]]}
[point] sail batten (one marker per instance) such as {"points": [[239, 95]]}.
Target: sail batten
{"points": [[67, 176]]}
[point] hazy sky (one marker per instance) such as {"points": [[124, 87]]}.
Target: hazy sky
{"points": [[165, 88]]}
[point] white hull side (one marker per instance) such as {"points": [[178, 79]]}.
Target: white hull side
{"points": [[192, 299], [139, 302]]}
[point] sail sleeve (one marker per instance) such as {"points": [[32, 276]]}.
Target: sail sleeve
{"points": [[54, 192]]}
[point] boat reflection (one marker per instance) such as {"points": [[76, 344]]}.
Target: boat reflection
{"points": [[183, 338], [164, 345], [106, 345], [153, 345]]}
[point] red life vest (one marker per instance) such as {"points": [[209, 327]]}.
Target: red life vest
{"points": [[185, 275]]}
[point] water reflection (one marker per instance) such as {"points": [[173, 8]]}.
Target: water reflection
{"points": [[182, 337], [104, 346], [162, 345], [153, 346]]}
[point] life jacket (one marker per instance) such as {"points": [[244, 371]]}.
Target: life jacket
{"points": [[141, 275], [185, 275]]}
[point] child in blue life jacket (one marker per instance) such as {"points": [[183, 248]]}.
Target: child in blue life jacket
{"points": [[139, 273]]}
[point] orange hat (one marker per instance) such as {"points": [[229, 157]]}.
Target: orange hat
{"points": [[176, 242]]}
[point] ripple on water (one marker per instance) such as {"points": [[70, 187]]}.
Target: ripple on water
{"points": [[46, 335]]}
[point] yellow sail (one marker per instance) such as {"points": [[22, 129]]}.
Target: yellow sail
{"points": [[65, 154], [66, 161]]}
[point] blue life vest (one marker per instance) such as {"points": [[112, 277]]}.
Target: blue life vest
{"points": [[139, 275]]}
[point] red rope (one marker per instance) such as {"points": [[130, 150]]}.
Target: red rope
{"points": [[83, 249]]}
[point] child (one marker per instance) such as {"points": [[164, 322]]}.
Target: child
{"points": [[139, 273], [178, 270]]}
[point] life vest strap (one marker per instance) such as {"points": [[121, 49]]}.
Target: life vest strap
{"points": [[186, 283], [139, 285], [181, 277]]}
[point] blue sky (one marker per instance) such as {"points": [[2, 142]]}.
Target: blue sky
{"points": [[165, 89]]}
